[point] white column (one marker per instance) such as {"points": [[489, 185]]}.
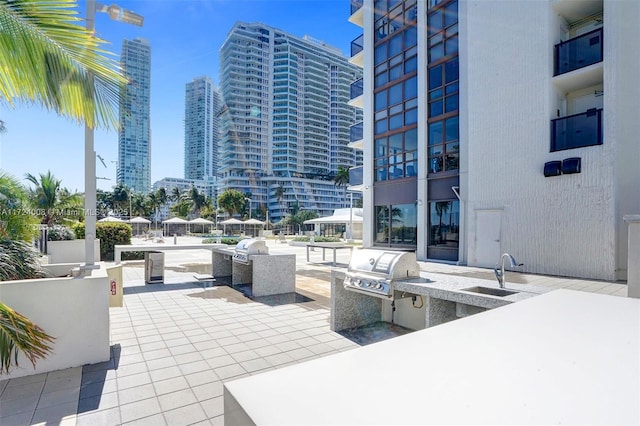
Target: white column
{"points": [[633, 264]]}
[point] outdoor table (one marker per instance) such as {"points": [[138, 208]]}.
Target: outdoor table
{"points": [[325, 246]]}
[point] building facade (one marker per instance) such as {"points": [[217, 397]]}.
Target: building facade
{"points": [[285, 120], [207, 187], [134, 139], [484, 133], [201, 132]]}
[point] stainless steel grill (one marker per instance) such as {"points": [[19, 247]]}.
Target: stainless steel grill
{"points": [[247, 247], [374, 272]]}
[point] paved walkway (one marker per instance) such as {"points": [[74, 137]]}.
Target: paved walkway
{"points": [[174, 345]]}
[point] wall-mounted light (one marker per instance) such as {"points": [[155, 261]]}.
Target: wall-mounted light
{"points": [[571, 165], [552, 168]]}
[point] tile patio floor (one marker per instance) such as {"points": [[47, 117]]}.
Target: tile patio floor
{"points": [[174, 345]]}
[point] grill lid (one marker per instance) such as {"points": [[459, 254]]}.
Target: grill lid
{"points": [[252, 246], [387, 264]]}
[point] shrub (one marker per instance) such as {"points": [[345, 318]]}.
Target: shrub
{"points": [[227, 241], [318, 239], [60, 233], [110, 234], [18, 261], [132, 255]]}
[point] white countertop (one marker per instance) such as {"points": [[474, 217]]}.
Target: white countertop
{"points": [[563, 357]]}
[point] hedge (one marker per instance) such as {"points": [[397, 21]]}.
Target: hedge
{"points": [[318, 239], [110, 234], [227, 241]]}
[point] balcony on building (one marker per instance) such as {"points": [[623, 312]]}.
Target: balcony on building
{"points": [[356, 179], [577, 131], [357, 13], [356, 98], [356, 133], [357, 51], [578, 52]]}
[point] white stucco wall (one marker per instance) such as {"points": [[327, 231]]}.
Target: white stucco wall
{"points": [[73, 310], [562, 225], [622, 114]]}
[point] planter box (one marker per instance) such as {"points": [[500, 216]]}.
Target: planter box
{"points": [[73, 310], [71, 251]]}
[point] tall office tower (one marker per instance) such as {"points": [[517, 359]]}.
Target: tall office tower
{"points": [[201, 133], [285, 121], [487, 133], [134, 141]]}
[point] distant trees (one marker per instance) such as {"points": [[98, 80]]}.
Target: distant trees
{"points": [[50, 200], [231, 201]]}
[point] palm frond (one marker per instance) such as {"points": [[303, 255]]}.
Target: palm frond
{"points": [[46, 57], [19, 334]]}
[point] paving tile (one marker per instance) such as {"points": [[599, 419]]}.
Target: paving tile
{"points": [[177, 399], [150, 339], [107, 365], [130, 359], [93, 389], [165, 373], [208, 390], [213, 407], [128, 370], [267, 350], [172, 385], [58, 397], [245, 355], [155, 420], [177, 342], [194, 367], [133, 381], [220, 361], [24, 390], [229, 371], [184, 349], [206, 344], [138, 393], [255, 365], [139, 409], [98, 403], [25, 380], [300, 353], [321, 348], [3, 385], [17, 406], [65, 373], [188, 358], [212, 353], [55, 413], [185, 415], [156, 364], [99, 418], [160, 353], [148, 347], [278, 359], [19, 419], [217, 421]]}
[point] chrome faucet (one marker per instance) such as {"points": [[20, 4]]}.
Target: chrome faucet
{"points": [[500, 272]]}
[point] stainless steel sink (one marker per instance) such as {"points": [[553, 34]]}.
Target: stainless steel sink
{"points": [[491, 291]]}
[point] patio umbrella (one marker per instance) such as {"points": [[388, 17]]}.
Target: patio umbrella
{"points": [[111, 219], [201, 221], [253, 222], [139, 220], [174, 221], [231, 221]]}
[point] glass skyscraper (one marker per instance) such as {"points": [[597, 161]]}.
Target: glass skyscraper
{"points": [[134, 141]]}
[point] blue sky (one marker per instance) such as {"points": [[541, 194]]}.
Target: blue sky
{"points": [[185, 36]]}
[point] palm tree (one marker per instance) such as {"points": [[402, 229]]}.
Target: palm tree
{"points": [[14, 199], [342, 176], [121, 197], [48, 58], [231, 201], [279, 196], [49, 198], [198, 200], [176, 194]]}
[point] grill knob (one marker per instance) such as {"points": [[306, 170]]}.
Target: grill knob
{"points": [[379, 286]]}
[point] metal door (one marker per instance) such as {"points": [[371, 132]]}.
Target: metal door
{"points": [[487, 252]]}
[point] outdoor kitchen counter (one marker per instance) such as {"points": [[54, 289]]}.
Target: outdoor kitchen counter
{"points": [[565, 357], [443, 295], [451, 288]]}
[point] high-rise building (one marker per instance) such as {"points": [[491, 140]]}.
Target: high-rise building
{"points": [[285, 119], [206, 187], [134, 141], [201, 133], [493, 126]]}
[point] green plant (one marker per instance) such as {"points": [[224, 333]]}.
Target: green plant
{"points": [[17, 333], [18, 261], [227, 241], [110, 234], [132, 255], [60, 233], [16, 220], [232, 201], [318, 239]]}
